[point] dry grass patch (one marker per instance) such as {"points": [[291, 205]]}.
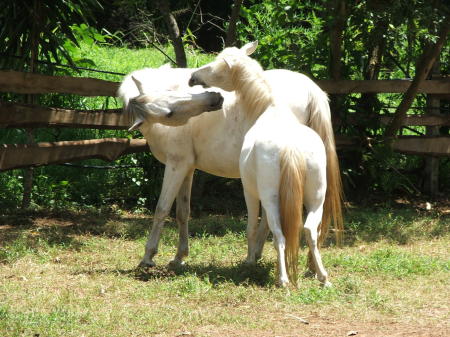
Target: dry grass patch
{"points": [[72, 276]]}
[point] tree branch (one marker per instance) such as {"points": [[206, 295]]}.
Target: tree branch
{"points": [[427, 60], [174, 33], [230, 39]]}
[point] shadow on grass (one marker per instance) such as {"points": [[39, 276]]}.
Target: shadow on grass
{"points": [[238, 274], [54, 226], [23, 232], [398, 225]]}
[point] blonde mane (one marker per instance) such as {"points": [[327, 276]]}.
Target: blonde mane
{"points": [[250, 85]]}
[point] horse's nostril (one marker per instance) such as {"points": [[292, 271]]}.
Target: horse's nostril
{"points": [[170, 114]]}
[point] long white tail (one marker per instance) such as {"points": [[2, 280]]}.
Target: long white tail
{"points": [[320, 121]]}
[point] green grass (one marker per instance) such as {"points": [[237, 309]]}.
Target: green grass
{"points": [[125, 60], [74, 274]]}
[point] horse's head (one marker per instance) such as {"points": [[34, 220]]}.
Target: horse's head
{"points": [[172, 108], [219, 72]]}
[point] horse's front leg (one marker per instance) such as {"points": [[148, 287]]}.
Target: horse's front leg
{"points": [[174, 175], [183, 210]]}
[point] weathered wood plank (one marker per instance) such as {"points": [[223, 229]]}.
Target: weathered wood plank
{"points": [[420, 120], [438, 146], [21, 115], [28, 83], [436, 86], [418, 145], [14, 156]]}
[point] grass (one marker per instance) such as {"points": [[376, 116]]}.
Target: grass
{"points": [[124, 60], [74, 274]]}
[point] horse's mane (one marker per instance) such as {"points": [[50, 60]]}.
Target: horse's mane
{"points": [[250, 85]]}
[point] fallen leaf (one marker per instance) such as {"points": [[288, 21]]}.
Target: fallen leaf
{"points": [[304, 321]]}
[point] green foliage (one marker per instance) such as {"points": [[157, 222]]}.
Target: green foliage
{"points": [[295, 35], [40, 26], [290, 34], [138, 184]]}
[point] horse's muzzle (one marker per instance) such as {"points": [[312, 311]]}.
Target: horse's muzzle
{"points": [[217, 102], [195, 81]]}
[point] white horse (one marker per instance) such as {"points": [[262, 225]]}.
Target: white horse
{"points": [[282, 162], [212, 143], [170, 107]]}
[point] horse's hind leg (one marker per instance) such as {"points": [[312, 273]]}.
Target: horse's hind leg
{"points": [[261, 235], [174, 176], [271, 206], [183, 211], [252, 203], [311, 233]]}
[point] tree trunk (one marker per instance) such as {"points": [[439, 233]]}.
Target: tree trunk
{"points": [[423, 68], [174, 33], [368, 104], [336, 37], [230, 39]]}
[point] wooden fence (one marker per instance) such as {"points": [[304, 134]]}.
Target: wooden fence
{"points": [[13, 115]]}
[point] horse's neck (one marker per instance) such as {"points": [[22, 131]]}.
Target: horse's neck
{"points": [[252, 89]]}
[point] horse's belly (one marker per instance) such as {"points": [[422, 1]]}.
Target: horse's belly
{"points": [[218, 165]]}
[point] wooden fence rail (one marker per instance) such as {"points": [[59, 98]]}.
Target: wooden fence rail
{"points": [[24, 115], [14, 156], [29, 83], [20, 115]]}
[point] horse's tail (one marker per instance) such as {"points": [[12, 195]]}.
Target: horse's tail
{"points": [[292, 178], [320, 121]]}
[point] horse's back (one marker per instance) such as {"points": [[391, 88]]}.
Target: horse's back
{"points": [[271, 135], [296, 90]]}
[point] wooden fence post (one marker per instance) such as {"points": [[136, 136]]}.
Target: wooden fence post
{"points": [[431, 185], [28, 176]]}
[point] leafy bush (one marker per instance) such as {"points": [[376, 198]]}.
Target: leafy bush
{"points": [[290, 34]]}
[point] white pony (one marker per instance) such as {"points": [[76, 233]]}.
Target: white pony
{"points": [[282, 162], [212, 143]]}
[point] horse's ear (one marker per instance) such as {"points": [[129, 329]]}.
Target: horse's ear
{"points": [[158, 110], [137, 123], [228, 61], [250, 47], [138, 84]]}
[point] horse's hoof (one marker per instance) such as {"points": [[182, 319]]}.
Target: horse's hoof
{"points": [[145, 264], [309, 274], [283, 283], [176, 264], [249, 263], [327, 284]]}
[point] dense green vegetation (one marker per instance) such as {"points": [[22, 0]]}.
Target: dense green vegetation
{"points": [[72, 187], [380, 39], [68, 263]]}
